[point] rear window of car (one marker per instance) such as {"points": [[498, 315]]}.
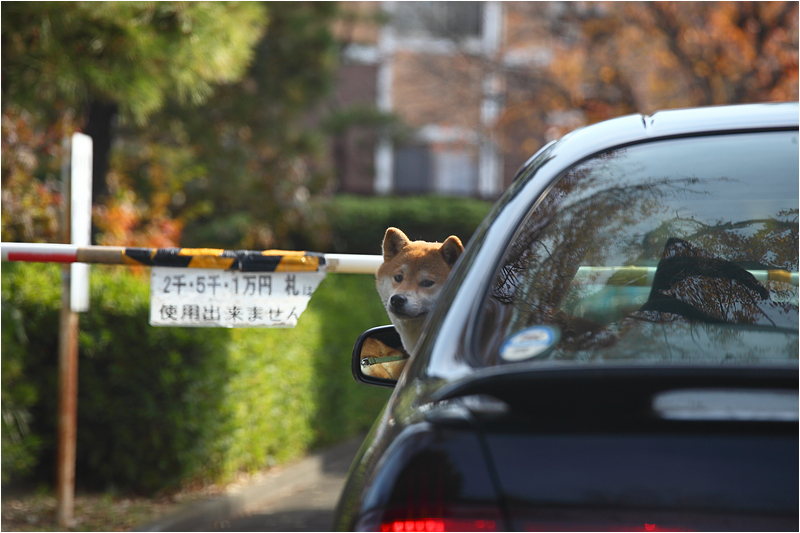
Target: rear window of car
{"points": [[681, 251]]}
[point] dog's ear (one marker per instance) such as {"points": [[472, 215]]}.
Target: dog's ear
{"points": [[451, 249], [393, 241]]}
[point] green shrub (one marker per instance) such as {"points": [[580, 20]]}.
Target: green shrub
{"points": [[151, 400], [358, 223], [148, 397], [343, 307], [19, 446], [159, 407], [22, 384]]}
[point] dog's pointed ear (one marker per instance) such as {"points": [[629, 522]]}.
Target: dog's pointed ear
{"points": [[393, 241], [451, 249]]}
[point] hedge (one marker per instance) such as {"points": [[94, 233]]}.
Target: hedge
{"points": [[358, 222], [163, 407]]}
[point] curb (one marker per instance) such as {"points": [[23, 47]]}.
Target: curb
{"points": [[204, 515]]}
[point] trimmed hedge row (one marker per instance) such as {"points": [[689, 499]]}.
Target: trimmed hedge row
{"points": [[358, 222], [161, 407]]}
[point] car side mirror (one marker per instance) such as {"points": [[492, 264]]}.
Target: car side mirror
{"points": [[378, 357]]}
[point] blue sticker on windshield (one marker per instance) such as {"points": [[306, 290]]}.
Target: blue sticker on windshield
{"points": [[530, 342]]}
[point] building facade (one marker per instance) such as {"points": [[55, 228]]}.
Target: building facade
{"points": [[439, 67]]}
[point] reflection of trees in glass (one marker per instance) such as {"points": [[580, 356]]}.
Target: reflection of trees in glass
{"points": [[595, 230], [528, 252], [602, 213], [701, 288], [765, 243]]}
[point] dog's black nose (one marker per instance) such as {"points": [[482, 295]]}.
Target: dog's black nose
{"points": [[397, 301]]}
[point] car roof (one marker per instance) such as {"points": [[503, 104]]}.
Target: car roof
{"points": [[632, 129], [747, 116]]}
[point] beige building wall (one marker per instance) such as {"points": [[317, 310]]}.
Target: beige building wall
{"points": [[437, 89], [451, 91], [360, 23]]}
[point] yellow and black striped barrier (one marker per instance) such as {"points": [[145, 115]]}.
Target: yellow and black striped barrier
{"points": [[238, 260], [233, 260]]}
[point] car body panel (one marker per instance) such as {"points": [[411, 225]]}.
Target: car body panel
{"points": [[691, 472]]}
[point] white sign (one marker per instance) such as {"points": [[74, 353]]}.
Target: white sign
{"points": [[199, 297], [81, 216]]}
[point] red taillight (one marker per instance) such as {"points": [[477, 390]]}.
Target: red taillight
{"points": [[439, 524], [475, 517]]}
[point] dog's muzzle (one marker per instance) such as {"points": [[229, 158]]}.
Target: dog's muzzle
{"points": [[398, 307], [398, 302]]}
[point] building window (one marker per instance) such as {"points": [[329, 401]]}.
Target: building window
{"points": [[419, 169], [412, 170], [456, 172], [452, 20]]}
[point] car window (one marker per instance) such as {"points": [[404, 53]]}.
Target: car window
{"points": [[674, 251]]}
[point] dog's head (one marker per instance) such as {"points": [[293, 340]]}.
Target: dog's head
{"points": [[413, 273]]}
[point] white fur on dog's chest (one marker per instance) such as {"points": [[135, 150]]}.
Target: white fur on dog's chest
{"points": [[409, 331]]}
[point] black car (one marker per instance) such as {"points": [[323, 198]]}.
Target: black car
{"points": [[617, 347]]}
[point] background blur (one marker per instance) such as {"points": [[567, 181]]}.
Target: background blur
{"points": [[296, 125], [237, 124]]}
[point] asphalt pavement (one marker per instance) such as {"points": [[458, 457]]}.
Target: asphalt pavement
{"points": [[298, 497]]}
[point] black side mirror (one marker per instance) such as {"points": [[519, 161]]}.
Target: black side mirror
{"points": [[378, 357]]}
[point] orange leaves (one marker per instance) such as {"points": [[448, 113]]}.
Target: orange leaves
{"points": [[127, 221], [574, 63], [31, 197]]}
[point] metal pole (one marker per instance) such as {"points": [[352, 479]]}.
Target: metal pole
{"points": [[352, 263]]}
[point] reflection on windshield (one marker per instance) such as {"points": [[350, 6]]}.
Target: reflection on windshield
{"points": [[702, 288], [654, 252]]}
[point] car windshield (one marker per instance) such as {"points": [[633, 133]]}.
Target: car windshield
{"points": [[680, 251]]}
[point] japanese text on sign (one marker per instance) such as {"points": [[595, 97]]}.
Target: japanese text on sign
{"points": [[198, 297]]}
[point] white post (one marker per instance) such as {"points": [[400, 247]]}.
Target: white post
{"points": [[81, 222], [77, 177], [489, 157], [384, 151]]}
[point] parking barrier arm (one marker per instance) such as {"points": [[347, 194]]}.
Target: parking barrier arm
{"points": [[242, 260]]}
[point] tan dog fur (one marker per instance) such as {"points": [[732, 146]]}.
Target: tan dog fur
{"points": [[410, 279], [388, 370]]}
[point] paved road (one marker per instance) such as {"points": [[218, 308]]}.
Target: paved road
{"points": [[298, 497], [307, 509], [302, 499]]}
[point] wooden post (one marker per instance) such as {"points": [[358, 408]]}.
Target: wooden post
{"points": [[67, 405], [68, 341]]}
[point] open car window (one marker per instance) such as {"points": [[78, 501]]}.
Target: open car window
{"points": [[680, 251]]}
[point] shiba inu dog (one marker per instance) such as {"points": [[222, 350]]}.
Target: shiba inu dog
{"points": [[410, 279]]}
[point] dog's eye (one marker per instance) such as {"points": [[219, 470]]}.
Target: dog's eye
{"points": [[398, 278], [427, 283]]}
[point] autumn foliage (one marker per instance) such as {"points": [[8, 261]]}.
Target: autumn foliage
{"points": [[234, 161], [31, 153], [603, 60]]}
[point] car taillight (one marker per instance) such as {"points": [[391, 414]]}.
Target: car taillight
{"points": [[458, 518], [440, 524], [433, 481]]}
